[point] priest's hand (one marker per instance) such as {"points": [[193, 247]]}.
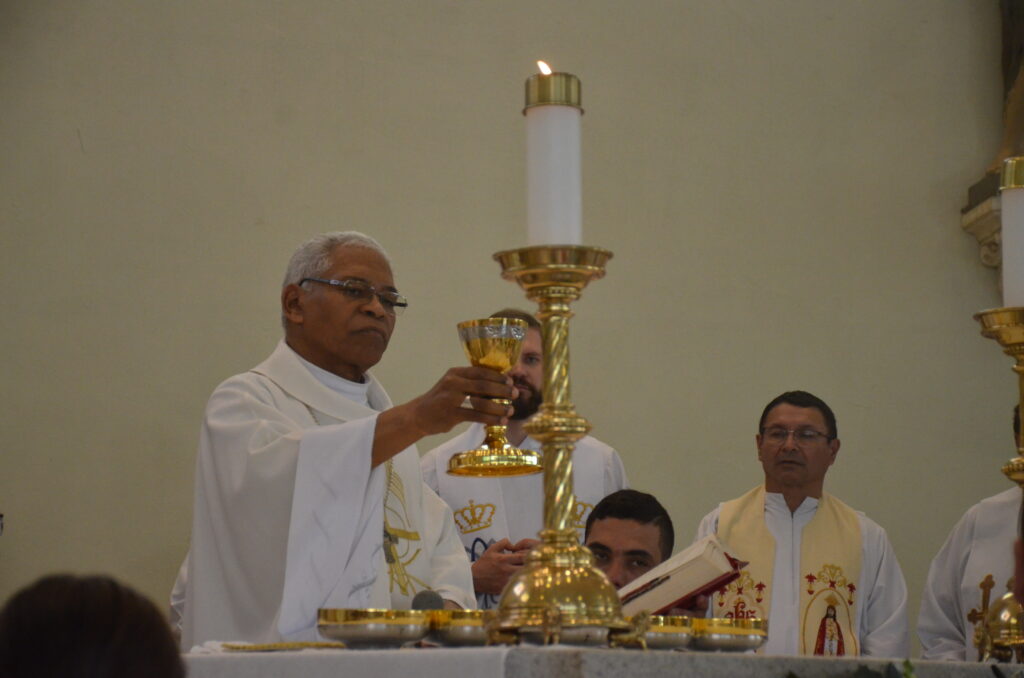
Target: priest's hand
{"points": [[441, 408], [495, 565]]}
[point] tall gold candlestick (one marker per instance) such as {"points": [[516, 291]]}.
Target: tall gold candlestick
{"points": [[559, 595]]}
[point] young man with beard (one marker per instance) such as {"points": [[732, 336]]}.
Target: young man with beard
{"points": [[499, 518]]}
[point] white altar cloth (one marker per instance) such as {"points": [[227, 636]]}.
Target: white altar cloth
{"points": [[549, 662]]}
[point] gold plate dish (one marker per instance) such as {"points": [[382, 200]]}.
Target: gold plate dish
{"points": [[668, 632], [717, 634], [373, 628], [460, 627]]}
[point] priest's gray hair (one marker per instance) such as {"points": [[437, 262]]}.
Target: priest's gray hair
{"points": [[313, 257]]}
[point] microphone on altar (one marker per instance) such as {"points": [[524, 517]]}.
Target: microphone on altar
{"points": [[427, 600]]}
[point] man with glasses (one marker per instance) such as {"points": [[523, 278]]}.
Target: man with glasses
{"points": [[824, 575], [308, 487], [972, 570], [499, 518]]}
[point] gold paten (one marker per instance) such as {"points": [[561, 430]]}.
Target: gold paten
{"points": [[557, 89], [461, 627], [558, 595], [728, 635], [1012, 175], [998, 635], [369, 628], [494, 343]]}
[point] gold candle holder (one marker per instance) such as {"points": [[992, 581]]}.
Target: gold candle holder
{"points": [[558, 595], [998, 632]]}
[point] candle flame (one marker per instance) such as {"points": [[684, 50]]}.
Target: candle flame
{"points": [[544, 68]]}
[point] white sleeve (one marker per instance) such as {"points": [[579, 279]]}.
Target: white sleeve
{"points": [[451, 575], [939, 625], [286, 516], [177, 602], [708, 525], [614, 473], [428, 468], [884, 628]]}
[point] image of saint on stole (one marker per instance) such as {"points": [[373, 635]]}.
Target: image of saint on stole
{"points": [[830, 636]]}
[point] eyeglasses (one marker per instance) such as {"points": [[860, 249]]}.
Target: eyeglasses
{"points": [[801, 436], [362, 291]]}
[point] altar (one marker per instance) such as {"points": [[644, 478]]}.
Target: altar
{"points": [[557, 661]]}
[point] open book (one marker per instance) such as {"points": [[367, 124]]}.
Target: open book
{"points": [[700, 569]]}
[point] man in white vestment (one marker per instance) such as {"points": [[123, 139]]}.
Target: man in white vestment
{"points": [[629, 533], [499, 518], [825, 576], [972, 570], [308, 487]]}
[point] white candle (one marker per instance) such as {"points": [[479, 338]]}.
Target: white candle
{"points": [[553, 184], [1013, 232]]}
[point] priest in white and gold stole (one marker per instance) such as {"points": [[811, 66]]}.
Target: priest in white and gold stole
{"points": [[499, 518], [823, 575], [308, 487], [972, 570]]}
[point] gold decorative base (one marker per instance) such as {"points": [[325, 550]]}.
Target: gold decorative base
{"points": [[558, 595], [484, 462]]}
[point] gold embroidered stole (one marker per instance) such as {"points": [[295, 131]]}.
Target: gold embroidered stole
{"points": [[830, 562]]}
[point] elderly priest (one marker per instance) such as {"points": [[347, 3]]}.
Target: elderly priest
{"points": [[824, 575], [308, 486]]}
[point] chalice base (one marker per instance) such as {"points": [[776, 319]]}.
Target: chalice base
{"points": [[559, 596], [499, 461]]}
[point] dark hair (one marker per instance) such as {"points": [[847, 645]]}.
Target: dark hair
{"points": [[518, 314], [85, 627], [638, 506], [802, 399]]}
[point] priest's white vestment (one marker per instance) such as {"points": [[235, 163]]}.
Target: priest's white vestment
{"points": [[490, 509], [881, 606], [289, 516], [977, 556]]}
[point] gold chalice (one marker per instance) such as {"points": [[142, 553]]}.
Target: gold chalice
{"points": [[494, 343]]}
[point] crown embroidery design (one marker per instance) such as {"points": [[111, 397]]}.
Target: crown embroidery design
{"points": [[831, 577], [580, 511], [474, 517]]}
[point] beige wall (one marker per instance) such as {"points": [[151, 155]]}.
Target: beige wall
{"points": [[780, 183]]}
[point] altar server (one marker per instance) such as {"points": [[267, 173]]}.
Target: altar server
{"points": [[499, 518], [629, 532], [308, 488], [824, 575], [971, 570]]}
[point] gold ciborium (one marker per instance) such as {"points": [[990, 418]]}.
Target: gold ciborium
{"points": [[558, 595], [494, 343]]}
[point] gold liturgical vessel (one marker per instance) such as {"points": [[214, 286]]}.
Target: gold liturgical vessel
{"points": [[494, 343], [999, 632], [558, 595]]}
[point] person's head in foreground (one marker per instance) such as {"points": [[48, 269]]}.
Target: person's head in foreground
{"points": [[629, 532], [85, 627]]}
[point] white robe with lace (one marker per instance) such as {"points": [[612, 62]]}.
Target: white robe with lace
{"points": [[289, 516]]}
